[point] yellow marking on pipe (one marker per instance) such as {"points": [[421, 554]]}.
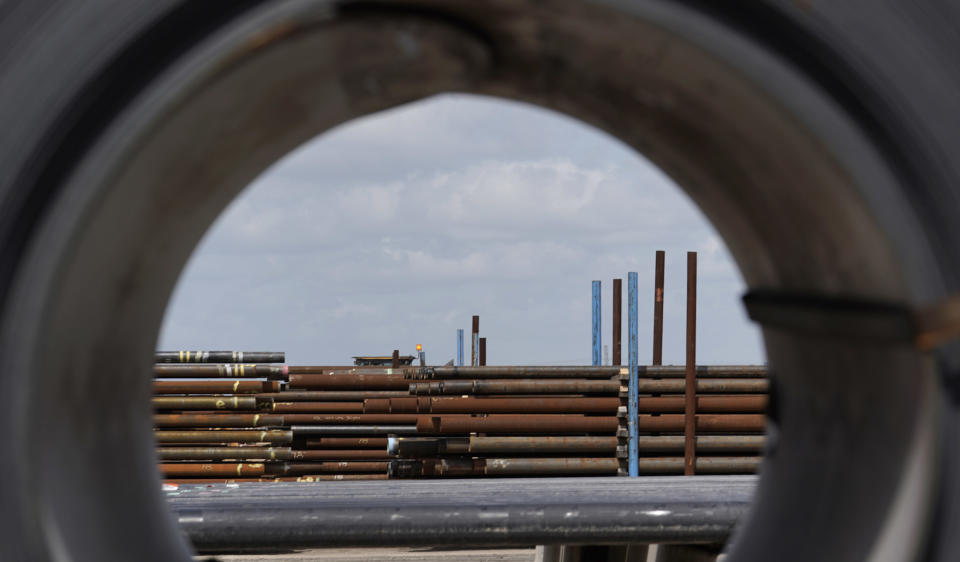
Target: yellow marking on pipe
{"points": [[188, 357], [263, 436], [220, 404], [239, 468], [273, 454], [235, 403], [236, 385], [256, 418], [181, 356], [241, 370]]}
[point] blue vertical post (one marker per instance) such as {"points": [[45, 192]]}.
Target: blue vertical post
{"points": [[597, 336], [634, 452], [459, 347]]}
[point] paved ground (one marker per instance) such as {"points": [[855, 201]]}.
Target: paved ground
{"points": [[382, 555]]}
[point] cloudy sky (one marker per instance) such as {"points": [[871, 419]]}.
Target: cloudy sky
{"points": [[394, 229]]}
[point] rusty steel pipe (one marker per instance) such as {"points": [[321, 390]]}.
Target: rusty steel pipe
{"points": [[314, 430], [704, 465], [474, 405], [704, 422], [330, 396], [690, 376], [215, 387], [276, 436], [706, 386], [513, 372], [349, 419], [219, 357], [740, 404], [217, 420], [204, 403], [515, 386], [327, 467], [658, 309], [705, 371], [617, 320], [308, 478], [346, 443], [266, 453], [317, 407], [577, 444], [705, 443], [221, 371], [214, 470], [547, 423], [517, 467], [348, 382]]}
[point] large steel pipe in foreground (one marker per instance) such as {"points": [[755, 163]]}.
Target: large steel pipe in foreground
{"points": [[516, 386], [474, 405], [455, 467], [276, 436], [219, 357], [704, 422], [192, 469], [547, 423], [221, 371], [704, 404], [216, 387]]}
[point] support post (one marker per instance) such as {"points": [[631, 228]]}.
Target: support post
{"points": [[483, 352], [658, 311], [597, 336], [690, 391], [395, 363], [459, 347], [475, 342], [632, 318], [617, 320]]}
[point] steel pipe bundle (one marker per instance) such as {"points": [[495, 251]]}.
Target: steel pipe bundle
{"points": [[220, 357], [255, 422]]}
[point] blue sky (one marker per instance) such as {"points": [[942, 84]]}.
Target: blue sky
{"points": [[394, 229]]}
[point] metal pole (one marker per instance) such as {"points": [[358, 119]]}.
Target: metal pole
{"points": [[483, 352], [475, 342], [690, 394], [632, 317], [617, 321], [597, 336], [658, 311], [395, 363], [459, 347]]}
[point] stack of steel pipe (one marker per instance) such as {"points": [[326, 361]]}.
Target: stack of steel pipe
{"points": [[265, 422]]}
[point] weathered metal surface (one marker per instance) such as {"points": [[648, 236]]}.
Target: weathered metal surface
{"points": [[317, 407], [704, 465], [267, 454], [596, 328], [658, 309], [547, 423], [514, 372], [324, 430], [633, 387], [221, 371], [474, 405], [704, 404], [224, 436], [219, 357], [328, 467], [420, 447], [705, 422], [541, 466], [349, 419], [617, 320], [207, 482], [217, 420], [222, 470], [475, 342], [705, 443], [690, 388], [483, 352], [349, 382], [204, 403], [713, 386], [515, 511], [515, 386], [215, 387], [331, 395], [346, 443], [705, 371]]}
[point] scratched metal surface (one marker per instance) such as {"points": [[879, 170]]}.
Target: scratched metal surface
{"points": [[503, 512]]}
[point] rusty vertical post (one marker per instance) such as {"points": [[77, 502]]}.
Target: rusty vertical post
{"points": [[483, 352], [690, 392], [617, 305], [459, 347], [658, 311], [475, 342], [396, 359]]}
